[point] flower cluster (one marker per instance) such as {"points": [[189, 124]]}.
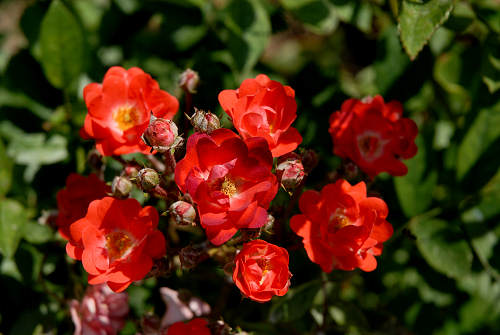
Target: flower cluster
{"points": [[225, 183]]}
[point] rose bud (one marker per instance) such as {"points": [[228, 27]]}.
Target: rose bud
{"points": [[204, 122], [290, 171], [131, 171], [268, 227], [189, 80], [121, 187], [161, 134], [147, 179], [183, 213], [191, 256]]}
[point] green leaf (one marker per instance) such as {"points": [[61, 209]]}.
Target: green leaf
{"points": [[415, 189], [5, 171], [36, 233], [62, 45], [13, 219], [419, 21], [443, 246], [249, 30], [317, 15], [19, 100], [484, 132], [295, 303], [487, 207]]}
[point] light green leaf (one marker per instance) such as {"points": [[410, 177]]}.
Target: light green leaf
{"points": [[419, 21], [5, 171], [317, 15], [19, 100], [36, 233], [62, 45], [415, 189], [443, 246], [295, 303], [13, 219], [249, 30], [484, 131]]}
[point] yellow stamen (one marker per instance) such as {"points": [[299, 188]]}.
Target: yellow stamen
{"points": [[228, 187], [117, 244], [126, 117]]}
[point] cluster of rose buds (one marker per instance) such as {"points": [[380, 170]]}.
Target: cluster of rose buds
{"points": [[225, 184]]}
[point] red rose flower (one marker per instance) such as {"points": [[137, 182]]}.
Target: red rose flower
{"points": [[262, 107], [119, 241], [196, 326], [119, 110], [73, 201], [374, 135], [341, 227], [261, 270], [229, 179]]}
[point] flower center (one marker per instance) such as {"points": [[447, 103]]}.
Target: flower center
{"points": [[126, 117], [117, 244], [266, 266], [368, 144], [338, 220], [228, 187]]}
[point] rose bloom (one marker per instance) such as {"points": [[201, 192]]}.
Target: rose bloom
{"points": [[196, 326], [263, 107], [101, 311], [341, 227], [374, 135], [119, 241], [73, 201], [261, 270], [119, 110], [230, 180]]}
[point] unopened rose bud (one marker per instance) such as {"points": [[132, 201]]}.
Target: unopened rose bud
{"points": [[161, 134], [309, 160], [147, 179], [189, 80], [183, 213], [204, 122], [268, 226], [290, 171], [131, 171], [121, 187]]}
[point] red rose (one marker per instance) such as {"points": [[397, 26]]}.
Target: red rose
{"points": [[196, 326], [119, 110], [229, 179], [374, 135], [262, 107], [119, 241], [261, 270], [341, 227], [73, 201]]}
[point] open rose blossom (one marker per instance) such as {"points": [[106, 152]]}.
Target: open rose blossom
{"points": [[116, 241], [263, 107], [229, 179], [374, 135], [261, 270], [101, 311], [73, 201], [119, 110], [196, 326], [341, 227]]}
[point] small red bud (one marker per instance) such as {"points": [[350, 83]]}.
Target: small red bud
{"points": [[121, 187], [148, 179], [161, 134], [191, 256], [131, 171], [204, 122], [189, 80], [309, 160], [183, 213], [290, 171]]}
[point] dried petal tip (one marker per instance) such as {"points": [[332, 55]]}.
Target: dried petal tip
{"points": [[189, 81], [204, 122], [183, 213], [147, 179], [290, 171], [121, 187], [162, 135]]}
